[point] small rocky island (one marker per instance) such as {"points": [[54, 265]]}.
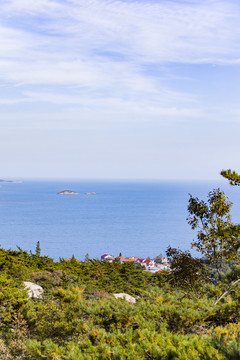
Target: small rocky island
{"points": [[67, 192], [10, 181], [90, 193]]}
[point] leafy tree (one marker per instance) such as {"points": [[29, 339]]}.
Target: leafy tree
{"points": [[188, 272], [212, 220], [158, 259], [233, 231]]}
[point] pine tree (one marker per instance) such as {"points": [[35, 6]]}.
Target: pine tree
{"points": [[38, 250], [87, 258]]}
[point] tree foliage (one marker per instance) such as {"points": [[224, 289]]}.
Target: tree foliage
{"points": [[38, 249], [232, 176], [188, 273], [212, 220]]}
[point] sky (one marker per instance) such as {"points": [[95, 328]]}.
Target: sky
{"points": [[119, 89]]}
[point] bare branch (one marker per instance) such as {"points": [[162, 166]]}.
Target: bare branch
{"points": [[227, 291]]}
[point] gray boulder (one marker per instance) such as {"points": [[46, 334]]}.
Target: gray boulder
{"points": [[34, 291], [127, 297]]}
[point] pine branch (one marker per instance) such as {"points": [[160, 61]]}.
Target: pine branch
{"points": [[232, 176]]}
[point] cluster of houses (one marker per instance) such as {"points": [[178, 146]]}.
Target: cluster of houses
{"points": [[149, 264]]}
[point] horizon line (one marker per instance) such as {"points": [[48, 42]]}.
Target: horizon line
{"points": [[30, 178]]}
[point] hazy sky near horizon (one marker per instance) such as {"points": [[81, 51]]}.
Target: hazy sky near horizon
{"points": [[119, 89]]}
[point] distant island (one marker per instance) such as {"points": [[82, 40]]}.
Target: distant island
{"points": [[71, 192], [67, 192], [10, 181]]}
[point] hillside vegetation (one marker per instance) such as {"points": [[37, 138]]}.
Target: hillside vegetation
{"points": [[78, 318]]}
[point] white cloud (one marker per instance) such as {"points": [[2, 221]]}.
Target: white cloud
{"points": [[81, 36], [94, 114], [104, 45], [146, 31], [100, 49], [101, 67]]}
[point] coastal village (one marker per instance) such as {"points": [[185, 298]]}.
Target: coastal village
{"points": [[152, 265]]}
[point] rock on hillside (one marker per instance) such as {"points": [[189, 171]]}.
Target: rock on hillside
{"points": [[34, 291], [127, 297]]}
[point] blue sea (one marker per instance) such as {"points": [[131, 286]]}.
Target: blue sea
{"points": [[137, 218]]}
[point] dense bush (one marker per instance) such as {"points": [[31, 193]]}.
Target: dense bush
{"points": [[78, 317]]}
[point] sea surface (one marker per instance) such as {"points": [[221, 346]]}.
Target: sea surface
{"points": [[137, 218]]}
